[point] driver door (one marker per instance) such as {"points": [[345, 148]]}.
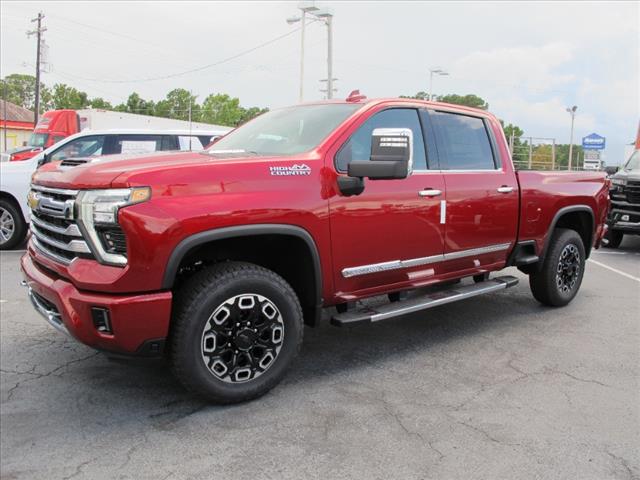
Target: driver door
{"points": [[391, 233]]}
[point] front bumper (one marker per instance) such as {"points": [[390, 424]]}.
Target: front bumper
{"points": [[139, 322], [624, 219]]}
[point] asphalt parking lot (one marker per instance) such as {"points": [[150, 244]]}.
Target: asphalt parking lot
{"points": [[496, 387]]}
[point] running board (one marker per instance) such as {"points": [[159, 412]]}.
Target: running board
{"points": [[416, 304]]}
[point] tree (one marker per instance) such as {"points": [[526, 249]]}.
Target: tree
{"points": [[100, 103], [21, 90], [249, 113], [469, 100], [176, 105], [136, 104], [221, 109], [66, 97]]}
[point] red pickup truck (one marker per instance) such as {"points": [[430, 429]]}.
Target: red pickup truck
{"points": [[217, 259]]}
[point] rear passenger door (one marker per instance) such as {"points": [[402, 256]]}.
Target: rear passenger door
{"points": [[481, 213]]}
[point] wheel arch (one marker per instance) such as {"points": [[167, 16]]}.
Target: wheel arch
{"points": [[12, 199], [288, 250], [575, 217]]}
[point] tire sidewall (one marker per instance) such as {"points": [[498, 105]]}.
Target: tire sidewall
{"points": [[564, 239], [251, 283], [18, 225]]}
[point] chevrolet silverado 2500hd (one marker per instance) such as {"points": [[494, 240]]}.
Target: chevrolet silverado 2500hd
{"points": [[217, 259]]}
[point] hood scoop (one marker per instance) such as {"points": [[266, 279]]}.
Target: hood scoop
{"points": [[74, 162]]}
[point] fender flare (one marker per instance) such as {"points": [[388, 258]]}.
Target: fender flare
{"points": [[557, 216], [207, 236]]}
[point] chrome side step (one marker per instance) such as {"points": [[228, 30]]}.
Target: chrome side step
{"points": [[396, 309]]}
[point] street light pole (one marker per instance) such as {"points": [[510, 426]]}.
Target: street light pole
{"points": [[572, 112], [330, 57], [303, 20], [436, 71]]}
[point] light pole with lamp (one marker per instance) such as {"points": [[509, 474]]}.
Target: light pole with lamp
{"points": [[432, 72], [572, 112], [305, 8]]}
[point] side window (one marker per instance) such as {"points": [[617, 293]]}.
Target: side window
{"points": [[463, 142], [190, 142], [135, 144], [358, 147], [169, 142], [80, 147]]}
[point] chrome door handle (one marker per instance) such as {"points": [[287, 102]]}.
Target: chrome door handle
{"points": [[505, 189], [429, 193]]}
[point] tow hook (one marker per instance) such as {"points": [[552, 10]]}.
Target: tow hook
{"points": [[23, 283]]}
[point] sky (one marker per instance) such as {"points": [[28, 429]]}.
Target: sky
{"points": [[529, 61]]}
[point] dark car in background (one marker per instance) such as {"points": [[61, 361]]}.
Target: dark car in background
{"points": [[624, 217]]}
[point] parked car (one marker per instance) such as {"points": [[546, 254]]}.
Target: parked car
{"points": [[15, 176], [217, 259], [624, 217], [55, 125]]}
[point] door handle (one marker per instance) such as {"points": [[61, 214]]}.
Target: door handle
{"points": [[505, 189], [429, 193]]}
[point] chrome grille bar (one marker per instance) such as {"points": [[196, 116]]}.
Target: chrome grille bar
{"points": [[72, 230], [76, 246]]}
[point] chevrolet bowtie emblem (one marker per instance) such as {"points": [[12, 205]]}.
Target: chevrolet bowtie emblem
{"points": [[33, 200]]}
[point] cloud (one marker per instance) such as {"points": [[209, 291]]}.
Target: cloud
{"points": [[531, 67]]}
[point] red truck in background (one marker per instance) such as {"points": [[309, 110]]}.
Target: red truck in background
{"points": [[55, 125], [52, 127], [217, 259]]}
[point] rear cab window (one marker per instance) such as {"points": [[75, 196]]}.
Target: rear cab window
{"points": [[464, 142]]}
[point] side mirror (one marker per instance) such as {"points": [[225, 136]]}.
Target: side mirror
{"points": [[391, 156], [46, 158]]}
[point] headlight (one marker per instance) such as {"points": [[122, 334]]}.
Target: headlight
{"points": [[619, 181], [98, 213]]}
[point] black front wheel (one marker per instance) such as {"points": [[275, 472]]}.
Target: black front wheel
{"points": [[557, 282], [615, 238], [236, 329]]}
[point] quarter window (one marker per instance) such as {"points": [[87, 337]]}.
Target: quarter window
{"points": [[358, 147], [463, 142]]}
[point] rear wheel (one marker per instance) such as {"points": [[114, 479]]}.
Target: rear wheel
{"points": [[237, 327], [615, 238], [560, 277], [12, 225]]}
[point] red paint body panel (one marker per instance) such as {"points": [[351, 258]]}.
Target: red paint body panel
{"points": [[193, 193]]}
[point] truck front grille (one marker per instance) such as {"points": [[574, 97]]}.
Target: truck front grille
{"points": [[53, 227], [633, 192]]}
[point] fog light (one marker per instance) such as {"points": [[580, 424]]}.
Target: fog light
{"points": [[624, 218], [101, 319]]}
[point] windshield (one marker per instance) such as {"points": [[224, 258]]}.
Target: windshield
{"points": [[634, 161], [38, 139], [286, 131]]}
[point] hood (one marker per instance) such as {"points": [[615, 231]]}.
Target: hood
{"points": [[629, 175], [160, 168]]}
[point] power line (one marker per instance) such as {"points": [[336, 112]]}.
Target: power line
{"points": [[198, 69]]}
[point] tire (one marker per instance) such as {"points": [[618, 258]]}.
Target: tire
{"points": [[12, 225], [219, 360], [560, 277], [615, 238], [481, 277]]}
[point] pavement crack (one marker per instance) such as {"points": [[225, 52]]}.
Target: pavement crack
{"points": [[79, 468], [625, 465], [488, 436]]}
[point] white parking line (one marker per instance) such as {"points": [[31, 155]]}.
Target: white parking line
{"points": [[624, 274]]}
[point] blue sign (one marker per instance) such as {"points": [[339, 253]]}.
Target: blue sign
{"points": [[593, 142]]}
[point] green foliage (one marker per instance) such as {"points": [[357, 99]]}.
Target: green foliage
{"points": [[469, 100], [21, 90], [221, 109], [64, 96]]}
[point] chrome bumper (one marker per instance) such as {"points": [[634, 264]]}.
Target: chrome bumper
{"points": [[52, 316]]}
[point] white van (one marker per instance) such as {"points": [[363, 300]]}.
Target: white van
{"points": [[15, 177]]}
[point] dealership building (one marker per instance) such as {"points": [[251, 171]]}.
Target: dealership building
{"points": [[16, 125]]}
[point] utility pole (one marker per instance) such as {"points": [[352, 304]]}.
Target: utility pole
{"points": [[329, 21], [572, 112], [303, 20], [4, 103], [38, 32]]}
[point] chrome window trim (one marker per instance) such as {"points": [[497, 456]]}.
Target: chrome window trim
{"points": [[415, 262]]}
